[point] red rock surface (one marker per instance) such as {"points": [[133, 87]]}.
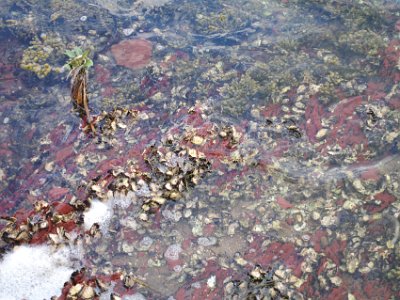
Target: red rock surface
{"points": [[283, 203], [133, 54]]}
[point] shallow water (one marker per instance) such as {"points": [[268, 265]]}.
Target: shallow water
{"points": [[294, 104]]}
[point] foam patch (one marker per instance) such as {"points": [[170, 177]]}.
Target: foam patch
{"points": [[34, 272], [100, 213]]}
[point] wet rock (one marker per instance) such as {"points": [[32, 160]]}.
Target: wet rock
{"points": [[133, 54]]}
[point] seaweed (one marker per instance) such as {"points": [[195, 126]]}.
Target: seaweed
{"points": [[79, 63]]}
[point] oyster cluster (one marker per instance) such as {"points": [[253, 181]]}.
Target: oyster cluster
{"points": [[109, 122], [260, 284], [81, 291], [173, 169], [44, 222]]}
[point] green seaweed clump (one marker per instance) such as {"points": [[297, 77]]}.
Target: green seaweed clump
{"points": [[78, 59], [37, 56], [79, 63], [228, 20]]}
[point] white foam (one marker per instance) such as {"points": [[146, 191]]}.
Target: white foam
{"points": [[34, 272], [100, 213]]}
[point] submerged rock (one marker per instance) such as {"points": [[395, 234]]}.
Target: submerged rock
{"points": [[133, 54]]}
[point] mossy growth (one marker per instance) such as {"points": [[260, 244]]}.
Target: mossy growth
{"points": [[364, 42], [238, 95], [224, 21], [40, 55]]}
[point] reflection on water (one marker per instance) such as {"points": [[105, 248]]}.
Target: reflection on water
{"points": [[250, 149]]}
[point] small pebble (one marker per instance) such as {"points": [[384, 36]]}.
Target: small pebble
{"points": [[321, 133], [128, 31], [315, 215], [187, 213], [172, 252], [207, 241], [232, 228], [212, 282], [146, 243], [178, 268]]}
